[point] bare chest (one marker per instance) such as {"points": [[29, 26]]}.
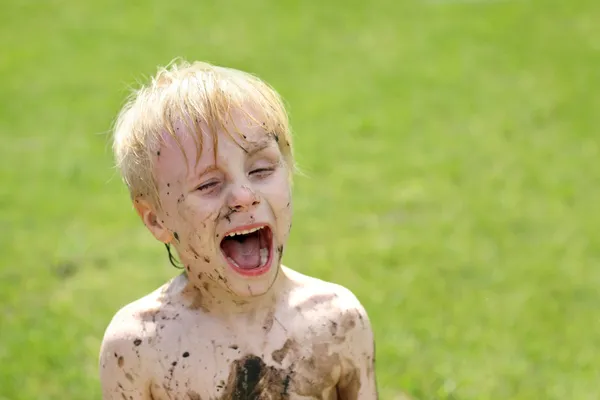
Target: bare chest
{"points": [[278, 363]]}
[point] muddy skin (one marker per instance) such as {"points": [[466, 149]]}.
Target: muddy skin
{"points": [[194, 252], [251, 379], [279, 355], [350, 392], [193, 396], [268, 324], [228, 213]]}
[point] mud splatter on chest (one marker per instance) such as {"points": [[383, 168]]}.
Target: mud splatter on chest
{"points": [[251, 379]]}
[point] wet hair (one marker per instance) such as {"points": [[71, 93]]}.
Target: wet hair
{"points": [[198, 95]]}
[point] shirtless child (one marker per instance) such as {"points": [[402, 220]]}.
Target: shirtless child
{"points": [[207, 156]]}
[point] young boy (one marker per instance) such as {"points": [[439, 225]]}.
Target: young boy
{"points": [[207, 156]]}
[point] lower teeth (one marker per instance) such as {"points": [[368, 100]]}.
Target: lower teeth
{"points": [[264, 254]]}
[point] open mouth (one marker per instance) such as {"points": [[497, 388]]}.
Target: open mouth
{"points": [[248, 250]]}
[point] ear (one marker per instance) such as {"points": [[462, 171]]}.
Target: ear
{"points": [[150, 218]]}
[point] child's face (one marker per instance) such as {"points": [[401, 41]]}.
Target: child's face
{"points": [[246, 187]]}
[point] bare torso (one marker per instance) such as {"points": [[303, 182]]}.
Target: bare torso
{"points": [[310, 343]]}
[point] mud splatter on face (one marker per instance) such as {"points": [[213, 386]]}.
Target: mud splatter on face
{"points": [[176, 236]]}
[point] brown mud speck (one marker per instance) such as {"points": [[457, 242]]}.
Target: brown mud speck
{"points": [[251, 378], [137, 342], [279, 355], [348, 322], [206, 259], [234, 346], [195, 253], [120, 361], [123, 396], [185, 354], [129, 377], [193, 395], [333, 328], [268, 324], [158, 153], [176, 235]]}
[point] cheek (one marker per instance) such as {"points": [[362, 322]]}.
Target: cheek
{"points": [[280, 199], [198, 218]]}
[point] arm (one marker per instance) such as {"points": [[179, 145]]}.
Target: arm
{"points": [[121, 373], [358, 379]]}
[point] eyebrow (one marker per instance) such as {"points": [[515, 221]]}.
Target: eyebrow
{"points": [[206, 170], [256, 147]]}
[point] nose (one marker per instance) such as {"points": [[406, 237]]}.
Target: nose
{"points": [[242, 198]]}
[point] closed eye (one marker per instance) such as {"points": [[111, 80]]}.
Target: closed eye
{"points": [[262, 171], [207, 185]]}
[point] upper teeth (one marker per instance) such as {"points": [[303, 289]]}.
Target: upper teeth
{"points": [[244, 232]]}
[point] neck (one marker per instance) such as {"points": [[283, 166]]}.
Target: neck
{"points": [[204, 293]]}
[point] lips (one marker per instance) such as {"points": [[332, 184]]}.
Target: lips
{"points": [[248, 249]]}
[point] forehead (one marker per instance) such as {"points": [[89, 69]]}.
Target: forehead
{"points": [[187, 146]]}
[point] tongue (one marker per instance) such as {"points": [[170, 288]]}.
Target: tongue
{"points": [[244, 251]]}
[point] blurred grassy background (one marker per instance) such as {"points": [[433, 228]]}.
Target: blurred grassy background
{"points": [[451, 152]]}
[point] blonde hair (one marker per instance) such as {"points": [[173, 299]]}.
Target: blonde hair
{"points": [[193, 93]]}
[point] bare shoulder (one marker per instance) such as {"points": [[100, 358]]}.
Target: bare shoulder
{"points": [[124, 352], [338, 322], [326, 299]]}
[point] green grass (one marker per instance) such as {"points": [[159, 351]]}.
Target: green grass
{"points": [[452, 158]]}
